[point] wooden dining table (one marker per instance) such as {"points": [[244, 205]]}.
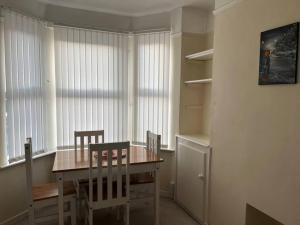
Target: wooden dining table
{"points": [[70, 164]]}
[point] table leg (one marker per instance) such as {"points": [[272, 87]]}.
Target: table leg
{"points": [[60, 182], [157, 194]]}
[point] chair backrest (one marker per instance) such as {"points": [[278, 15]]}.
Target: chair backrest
{"points": [[98, 136], [28, 165], [112, 171], [153, 142]]}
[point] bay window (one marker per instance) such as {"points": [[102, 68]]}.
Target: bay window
{"points": [[92, 81]]}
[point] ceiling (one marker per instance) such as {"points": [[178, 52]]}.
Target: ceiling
{"points": [[131, 7]]}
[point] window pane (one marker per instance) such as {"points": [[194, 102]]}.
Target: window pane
{"points": [[24, 101], [91, 83], [152, 100]]}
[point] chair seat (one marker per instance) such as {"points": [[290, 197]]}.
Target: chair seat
{"points": [[143, 178], [104, 190], [50, 190]]}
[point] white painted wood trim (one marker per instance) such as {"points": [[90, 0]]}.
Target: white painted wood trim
{"points": [[23, 160], [162, 149], [197, 138], [226, 6], [202, 81], [207, 172], [204, 55], [176, 34], [15, 219]]}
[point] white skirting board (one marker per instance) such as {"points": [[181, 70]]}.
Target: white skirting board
{"points": [[15, 219]]}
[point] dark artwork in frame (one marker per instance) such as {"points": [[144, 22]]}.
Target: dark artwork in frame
{"points": [[279, 55]]}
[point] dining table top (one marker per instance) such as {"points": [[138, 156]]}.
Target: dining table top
{"points": [[70, 159]]}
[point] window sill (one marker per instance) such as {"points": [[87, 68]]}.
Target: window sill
{"points": [[167, 150], [162, 149], [23, 160]]}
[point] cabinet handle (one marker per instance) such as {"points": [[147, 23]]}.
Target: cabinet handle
{"points": [[201, 176]]}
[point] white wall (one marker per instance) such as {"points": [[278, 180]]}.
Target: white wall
{"points": [[87, 19], [176, 21], [194, 20], [151, 22], [13, 191], [255, 128]]}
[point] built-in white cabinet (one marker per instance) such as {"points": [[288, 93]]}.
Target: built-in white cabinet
{"points": [[193, 151], [192, 175]]}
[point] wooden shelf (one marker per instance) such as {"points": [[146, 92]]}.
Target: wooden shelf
{"points": [[200, 139], [202, 81], [201, 56]]}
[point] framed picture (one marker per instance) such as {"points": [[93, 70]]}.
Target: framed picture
{"points": [[279, 55]]}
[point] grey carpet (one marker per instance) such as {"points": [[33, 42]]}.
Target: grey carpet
{"points": [[142, 213]]}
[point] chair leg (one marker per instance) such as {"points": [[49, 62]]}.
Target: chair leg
{"points": [[127, 213], [118, 212], [73, 211], [77, 187], [86, 220], [90, 216], [31, 215]]}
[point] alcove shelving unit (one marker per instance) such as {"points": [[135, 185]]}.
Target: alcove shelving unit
{"points": [[193, 146], [196, 96]]}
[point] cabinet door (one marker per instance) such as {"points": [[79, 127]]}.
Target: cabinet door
{"points": [[190, 192]]}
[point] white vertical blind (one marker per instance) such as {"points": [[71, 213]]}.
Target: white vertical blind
{"points": [[152, 95], [3, 152], [91, 83], [24, 97]]}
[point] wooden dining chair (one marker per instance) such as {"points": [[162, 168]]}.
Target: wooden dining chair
{"points": [[85, 138], [97, 135], [153, 142], [112, 174], [46, 195], [143, 183]]}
